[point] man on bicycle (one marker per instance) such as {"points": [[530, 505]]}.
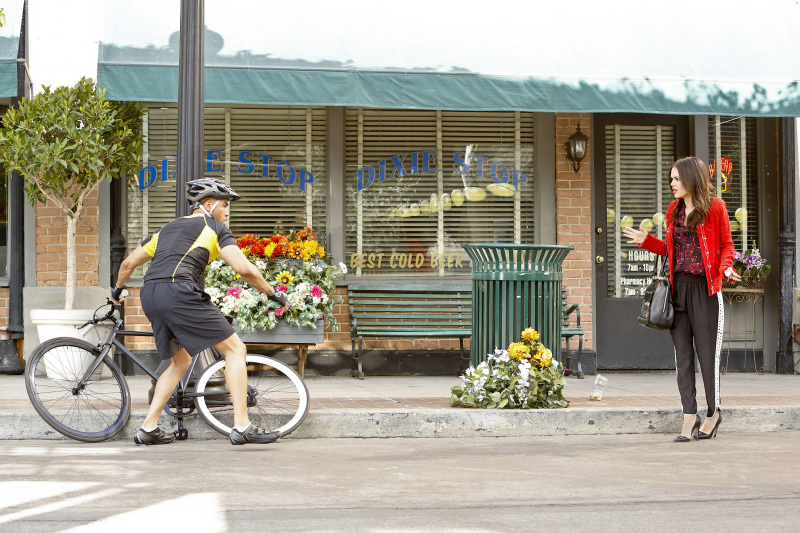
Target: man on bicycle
{"points": [[184, 320]]}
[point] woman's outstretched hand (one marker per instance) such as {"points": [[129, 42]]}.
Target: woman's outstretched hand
{"points": [[636, 236]]}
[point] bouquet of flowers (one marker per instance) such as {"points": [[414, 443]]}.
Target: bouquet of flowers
{"points": [[751, 266], [294, 264], [525, 376]]}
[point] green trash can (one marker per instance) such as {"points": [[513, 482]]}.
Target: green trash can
{"points": [[515, 286]]}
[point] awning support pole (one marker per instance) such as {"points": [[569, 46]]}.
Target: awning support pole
{"points": [[784, 361], [191, 94]]}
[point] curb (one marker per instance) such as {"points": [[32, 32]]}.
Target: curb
{"points": [[454, 423]]}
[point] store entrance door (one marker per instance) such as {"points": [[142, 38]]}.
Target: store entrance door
{"points": [[634, 154]]}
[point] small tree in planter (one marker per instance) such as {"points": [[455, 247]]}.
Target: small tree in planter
{"points": [[64, 142]]}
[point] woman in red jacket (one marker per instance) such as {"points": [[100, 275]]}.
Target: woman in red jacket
{"points": [[699, 249]]}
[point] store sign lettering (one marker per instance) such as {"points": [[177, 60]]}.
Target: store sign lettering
{"points": [[407, 260], [426, 161], [283, 170]]}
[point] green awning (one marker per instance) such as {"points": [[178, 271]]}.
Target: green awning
{"points": [[680, 57], [9, 48]]}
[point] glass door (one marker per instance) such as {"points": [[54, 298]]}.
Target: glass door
{"points": [[633, 158]]}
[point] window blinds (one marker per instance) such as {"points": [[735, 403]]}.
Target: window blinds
{"points": [[419, 217]]}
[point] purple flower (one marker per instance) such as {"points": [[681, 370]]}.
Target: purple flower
{"points": [[750, 261]]}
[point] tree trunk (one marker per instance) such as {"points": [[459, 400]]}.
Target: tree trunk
{"points": [[72, 266]]}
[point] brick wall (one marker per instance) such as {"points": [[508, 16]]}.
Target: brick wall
{"points": [[4, 291], [51, 245], [574, 218]]}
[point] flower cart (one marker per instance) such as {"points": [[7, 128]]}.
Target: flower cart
{"points": [[294, 264]]}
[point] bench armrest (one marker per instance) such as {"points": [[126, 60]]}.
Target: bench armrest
{"points": [[570, 309]]}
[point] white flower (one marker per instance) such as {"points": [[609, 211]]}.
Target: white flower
{"points": [[343, 267]]}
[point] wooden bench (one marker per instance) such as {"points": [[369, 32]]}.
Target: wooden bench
{"points": [[419, 310], [568, 331]]}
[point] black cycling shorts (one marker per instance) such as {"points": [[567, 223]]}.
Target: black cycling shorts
{"points": [[182, 315]]}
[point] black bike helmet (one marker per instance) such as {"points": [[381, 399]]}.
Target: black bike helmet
{"points": [[199, 189]]}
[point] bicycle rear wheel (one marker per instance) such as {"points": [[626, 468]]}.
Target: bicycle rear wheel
{"points": [[92, 412], [277, 397]]}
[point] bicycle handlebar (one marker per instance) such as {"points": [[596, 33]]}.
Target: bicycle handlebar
{"points": [[107, 316]]}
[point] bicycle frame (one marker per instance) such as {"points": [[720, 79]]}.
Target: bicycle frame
{"points": [[181, 394]]}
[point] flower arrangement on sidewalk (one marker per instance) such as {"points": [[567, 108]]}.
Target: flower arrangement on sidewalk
{"points": [[751, 266], [524, 376], [294, 264]]}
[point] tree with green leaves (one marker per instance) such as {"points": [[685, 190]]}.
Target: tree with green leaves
{"points": [[64, 142]]}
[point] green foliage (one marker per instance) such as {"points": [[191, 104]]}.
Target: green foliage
{"points": [[63, 142]]}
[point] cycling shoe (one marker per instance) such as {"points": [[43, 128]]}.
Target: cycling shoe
{"points": [[156, 436], [253, 435]]}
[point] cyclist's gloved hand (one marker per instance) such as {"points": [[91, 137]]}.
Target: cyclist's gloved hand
{"points": [[279, 298], [117, 293]]}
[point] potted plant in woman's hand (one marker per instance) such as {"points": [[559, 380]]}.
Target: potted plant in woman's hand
{"points": [[64, 142]]}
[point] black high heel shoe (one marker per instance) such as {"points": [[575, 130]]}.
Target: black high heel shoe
{"points": [[713, 432], [695, 432]]}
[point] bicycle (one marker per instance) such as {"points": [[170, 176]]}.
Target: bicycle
{"points": [[81, 392]]}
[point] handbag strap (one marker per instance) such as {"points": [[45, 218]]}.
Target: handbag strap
{"points": [[663, 270]]}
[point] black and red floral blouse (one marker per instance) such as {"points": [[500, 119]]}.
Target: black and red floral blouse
{"points": [[688, 256]]}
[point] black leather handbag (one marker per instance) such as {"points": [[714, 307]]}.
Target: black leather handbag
{"points": [[657, 310]]}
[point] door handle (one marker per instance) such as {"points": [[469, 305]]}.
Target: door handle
{"points": [[599, 259]]}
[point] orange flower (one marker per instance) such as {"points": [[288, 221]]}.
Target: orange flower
{"points": [[302, 234], [277, 251], [257, 249], [247, 240], [276, 238]]}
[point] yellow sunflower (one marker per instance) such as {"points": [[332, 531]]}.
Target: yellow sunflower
{"points": [[519, 351], [270, 249], [285, 278]]}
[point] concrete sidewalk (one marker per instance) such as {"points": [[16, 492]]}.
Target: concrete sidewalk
{"points": [[419, 406]]}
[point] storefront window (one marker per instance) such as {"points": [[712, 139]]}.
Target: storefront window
{"points": [[274, 157], [732, 165], [422, 183]]}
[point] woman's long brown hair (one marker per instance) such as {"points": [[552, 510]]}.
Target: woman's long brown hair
{"points": [[694, 176]]}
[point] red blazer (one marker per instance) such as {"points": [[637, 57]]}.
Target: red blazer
{"points": [[716, 244]]}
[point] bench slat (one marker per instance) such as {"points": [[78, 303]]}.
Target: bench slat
{"points": [[420, 287], [422, 295], [420, 301], [411, 323]]}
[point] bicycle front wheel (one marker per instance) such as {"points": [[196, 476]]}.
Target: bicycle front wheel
{"points": [[92, 411], [277, 397]]}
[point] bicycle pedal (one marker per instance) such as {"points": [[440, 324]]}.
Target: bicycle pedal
{"points": [[181, 434]]}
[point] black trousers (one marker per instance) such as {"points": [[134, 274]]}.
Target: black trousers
{"points": [[697, 325]]}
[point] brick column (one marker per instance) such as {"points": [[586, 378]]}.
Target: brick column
{"points": [[574, 218]]}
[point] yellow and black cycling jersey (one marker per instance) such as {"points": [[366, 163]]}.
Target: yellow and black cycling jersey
{"points": [[182, 249]]}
